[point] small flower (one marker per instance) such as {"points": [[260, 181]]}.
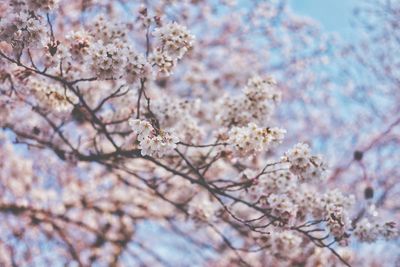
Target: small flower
{"points": [[174, 39], [107, 60], [136, 66], [302, 163], [259, 89], [164, 62], [80, 42], [53, 96], [250, 139], [150, 142], [282, 206], [256, 104], [42, 5], [369, 232]]}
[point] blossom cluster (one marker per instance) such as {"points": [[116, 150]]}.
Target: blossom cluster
{"points": [[255, 104], [79, 42], [105, 124], [44, 5], [164, 62], [152, 142], [251, 138], [111, 55], [285, 243], [136, 66], [336, 207], [278, 181], [259, 89], [33, 5], [109, 52], [53, 96], [293, 197], [368, 231], [24, 25], [105, 46], [282, 206], [176, 113], [106, 59], [303, 164], [25, 29], [174, 39], [173, 42]]}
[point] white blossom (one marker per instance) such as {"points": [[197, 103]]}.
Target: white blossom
{"points": [[259, 89], [254, 104], [21, 30], [53, 96], [44, 5], [164, 62], [106, 60], [251, 138], [150, 142], [368, 231], [174, 39], [302, 163], [282, 206], [136, 66]]}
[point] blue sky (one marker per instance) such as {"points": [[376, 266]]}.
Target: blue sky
{"points": [[333, 15]]}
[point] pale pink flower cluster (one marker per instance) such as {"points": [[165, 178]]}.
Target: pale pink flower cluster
{"points": [[24, 26], [105, 46], [175, 113], [173, 41], [107, 59], [164, 62], [278, 181], [44, 5], [293, 198], [111, 56], [53, 96], [34, 5], [109, 51], [259, 89], [21, 30], [249, 139], [338, 220], [307, 199], [368, 231], [281, 192], [335, 198], [305, 165], [272, 182], [255, 104], [335, 207], [79, 43], [83, 92], [285, 244], [282, 206], [136, 66], [108, 32], [152, 143]]}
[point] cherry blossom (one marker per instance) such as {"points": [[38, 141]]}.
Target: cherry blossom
{"points": [[132, 128]]}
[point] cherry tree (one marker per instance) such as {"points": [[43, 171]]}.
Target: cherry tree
{"points": [[195, 118]]}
